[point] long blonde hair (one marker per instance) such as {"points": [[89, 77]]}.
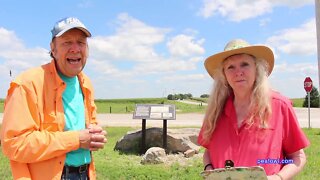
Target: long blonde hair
{"points": [[260, 104]]}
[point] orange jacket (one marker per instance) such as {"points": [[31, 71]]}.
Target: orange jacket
{"points": [[33, 122]]}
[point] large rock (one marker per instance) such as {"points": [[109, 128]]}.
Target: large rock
{"points": [[154, 155], [178, 140]]}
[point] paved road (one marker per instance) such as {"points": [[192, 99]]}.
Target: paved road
{"points": [[192, 119], [192, 102]]}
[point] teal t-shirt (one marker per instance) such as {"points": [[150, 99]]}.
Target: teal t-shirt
{"points": [[74, 115]]}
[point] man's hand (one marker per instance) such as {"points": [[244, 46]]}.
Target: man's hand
{"points": [[85, 138], [93, 138], [98, 137]]}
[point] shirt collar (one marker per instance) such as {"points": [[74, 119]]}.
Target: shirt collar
{"points": [[229, 107], [81, 78]]}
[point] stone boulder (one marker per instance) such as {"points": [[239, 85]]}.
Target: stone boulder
{"points": [[154, 155], [178, 140]]}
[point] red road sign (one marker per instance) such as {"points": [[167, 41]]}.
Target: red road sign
{"points": [[308, 84]]}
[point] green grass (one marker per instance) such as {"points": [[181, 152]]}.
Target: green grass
{"points": [[128, 105], [5, 172], [124, 105], [187, 108], [114, 165], [311, 170], [111, 164], [198, 99], [1, 105], [297, 102]]}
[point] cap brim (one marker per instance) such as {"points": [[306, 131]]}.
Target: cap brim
{"points": [[212, 62], [88, 34]]}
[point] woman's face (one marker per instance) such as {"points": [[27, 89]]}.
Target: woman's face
{"points": [[240, 72]]}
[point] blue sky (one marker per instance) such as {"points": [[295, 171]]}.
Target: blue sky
{"points": [[148, 48]]}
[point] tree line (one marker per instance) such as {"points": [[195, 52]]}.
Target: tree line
{"points": [[314, 98], [184, 96]]}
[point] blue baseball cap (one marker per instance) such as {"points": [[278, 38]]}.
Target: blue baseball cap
{"points": [[66, 24]]}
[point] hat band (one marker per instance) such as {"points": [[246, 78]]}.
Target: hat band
{"points": [[234, 47]]}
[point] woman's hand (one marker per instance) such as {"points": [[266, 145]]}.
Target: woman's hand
{"points": [[274, 177]]}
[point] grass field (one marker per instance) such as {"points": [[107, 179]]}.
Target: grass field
{"points": [[111, 164], [128, 105], [297, 102], [1, 106]]}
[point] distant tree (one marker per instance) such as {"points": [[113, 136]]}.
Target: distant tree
{"points": [[189, 95], [170, 97], [180, 96], [204, 96], [314, 98]]}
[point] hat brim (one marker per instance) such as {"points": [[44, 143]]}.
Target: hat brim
{"points": [[88, 34], [258, 51]]}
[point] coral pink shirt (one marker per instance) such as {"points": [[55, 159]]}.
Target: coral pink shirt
{"points": [[246, 146]]}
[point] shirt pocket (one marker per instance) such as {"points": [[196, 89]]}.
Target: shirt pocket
{"points": [[50, 122], [271, 142]]}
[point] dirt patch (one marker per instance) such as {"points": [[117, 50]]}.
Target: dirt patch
{"points": [[181, 160]]}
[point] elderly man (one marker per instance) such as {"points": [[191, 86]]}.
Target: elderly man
{"points": [[49, 124]]}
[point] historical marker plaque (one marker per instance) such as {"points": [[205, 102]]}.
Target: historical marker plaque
{"points": [[155, 111]]}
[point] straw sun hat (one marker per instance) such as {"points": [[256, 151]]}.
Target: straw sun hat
{"points": [[239, 46]]}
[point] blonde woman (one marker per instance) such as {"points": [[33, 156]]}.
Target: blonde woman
{"points": [[246, 122]]}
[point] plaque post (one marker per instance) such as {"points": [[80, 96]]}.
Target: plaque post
{"points": [[164, 135], [143, 138], [162, 112]]}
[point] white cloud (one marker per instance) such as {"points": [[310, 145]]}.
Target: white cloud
{"points": [[187, 77], [166, 66], [194, 83], [185, 46], [301, 40], [288, 78], [235, 10], [303, 69], [16, 56], [104, 67], [292, 3], [133, 41], [294, 84], [9, 40], [264, 22], [238, 10]]}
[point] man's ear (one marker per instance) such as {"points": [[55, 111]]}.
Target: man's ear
{"points": [[52, 47]]}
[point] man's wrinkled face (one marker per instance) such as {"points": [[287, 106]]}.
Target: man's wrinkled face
{"points": [[70, 51]]}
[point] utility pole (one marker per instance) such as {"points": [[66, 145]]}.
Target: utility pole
{"points": [[317, 10]]}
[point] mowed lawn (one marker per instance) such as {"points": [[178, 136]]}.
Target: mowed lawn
{"points": [[128, 105], [111, 164]]}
